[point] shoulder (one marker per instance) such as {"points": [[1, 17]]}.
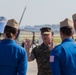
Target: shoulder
{"points": [[58, 52], [17, 48], [57, 49], [37, 47]]}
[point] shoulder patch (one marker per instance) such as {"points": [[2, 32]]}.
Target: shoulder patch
{"points": [[52, 58]]}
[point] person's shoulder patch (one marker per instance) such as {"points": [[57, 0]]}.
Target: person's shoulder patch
{"points": [[52, 58]]}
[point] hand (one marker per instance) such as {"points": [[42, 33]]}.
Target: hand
{"points": [[51, 45], [27, 44]]}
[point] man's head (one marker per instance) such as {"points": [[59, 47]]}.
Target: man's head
{"points": [[46, 34], [66, 28], [74, 20]]}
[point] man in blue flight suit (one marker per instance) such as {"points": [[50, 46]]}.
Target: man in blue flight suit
{"points": [[63, 56]]}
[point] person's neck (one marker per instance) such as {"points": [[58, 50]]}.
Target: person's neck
{"points": [[5, 37], [65, 37], [9, 38], [46, 43]]}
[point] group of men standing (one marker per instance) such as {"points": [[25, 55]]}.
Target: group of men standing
{"points": [[51, 59], [58, 60]]}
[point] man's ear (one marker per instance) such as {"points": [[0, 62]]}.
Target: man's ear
{"points": [[60, 33]]}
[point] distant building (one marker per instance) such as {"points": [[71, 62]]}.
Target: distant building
{"points": [[36, 28]]}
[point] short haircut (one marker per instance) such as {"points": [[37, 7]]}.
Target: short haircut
{"points": [[66, 30]]}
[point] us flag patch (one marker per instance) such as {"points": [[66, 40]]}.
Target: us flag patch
{"points": [[51, 58]]}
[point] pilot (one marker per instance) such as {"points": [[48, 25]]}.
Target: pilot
{"points": [[63, 56]]}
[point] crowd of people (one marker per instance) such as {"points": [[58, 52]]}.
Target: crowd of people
{"points": [[51, 59]]}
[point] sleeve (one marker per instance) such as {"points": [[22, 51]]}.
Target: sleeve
{"points": [[54, 62], [33, 53], [23, 64]]}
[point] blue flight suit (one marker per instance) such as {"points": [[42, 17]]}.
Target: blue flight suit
{"points": [[63, 58], [13, 58]]}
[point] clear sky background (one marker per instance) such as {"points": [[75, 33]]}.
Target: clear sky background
{"points": [[38, 11]]}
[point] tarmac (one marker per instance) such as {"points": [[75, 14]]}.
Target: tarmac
{"points": [[32, 68]]}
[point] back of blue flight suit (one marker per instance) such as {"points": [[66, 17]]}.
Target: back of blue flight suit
{"points": [[63, 58]]}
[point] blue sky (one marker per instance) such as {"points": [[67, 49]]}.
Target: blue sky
{"points": [[38, 11]]}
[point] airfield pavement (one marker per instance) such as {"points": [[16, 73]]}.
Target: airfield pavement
{"points": [[32, 68]]}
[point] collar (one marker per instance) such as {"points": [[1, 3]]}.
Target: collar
{"points": [[68, 39], [43, 45], [8, 41]]}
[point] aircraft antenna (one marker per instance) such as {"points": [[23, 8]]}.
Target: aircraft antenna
{"points": [[20, 22], [22, 15]]}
